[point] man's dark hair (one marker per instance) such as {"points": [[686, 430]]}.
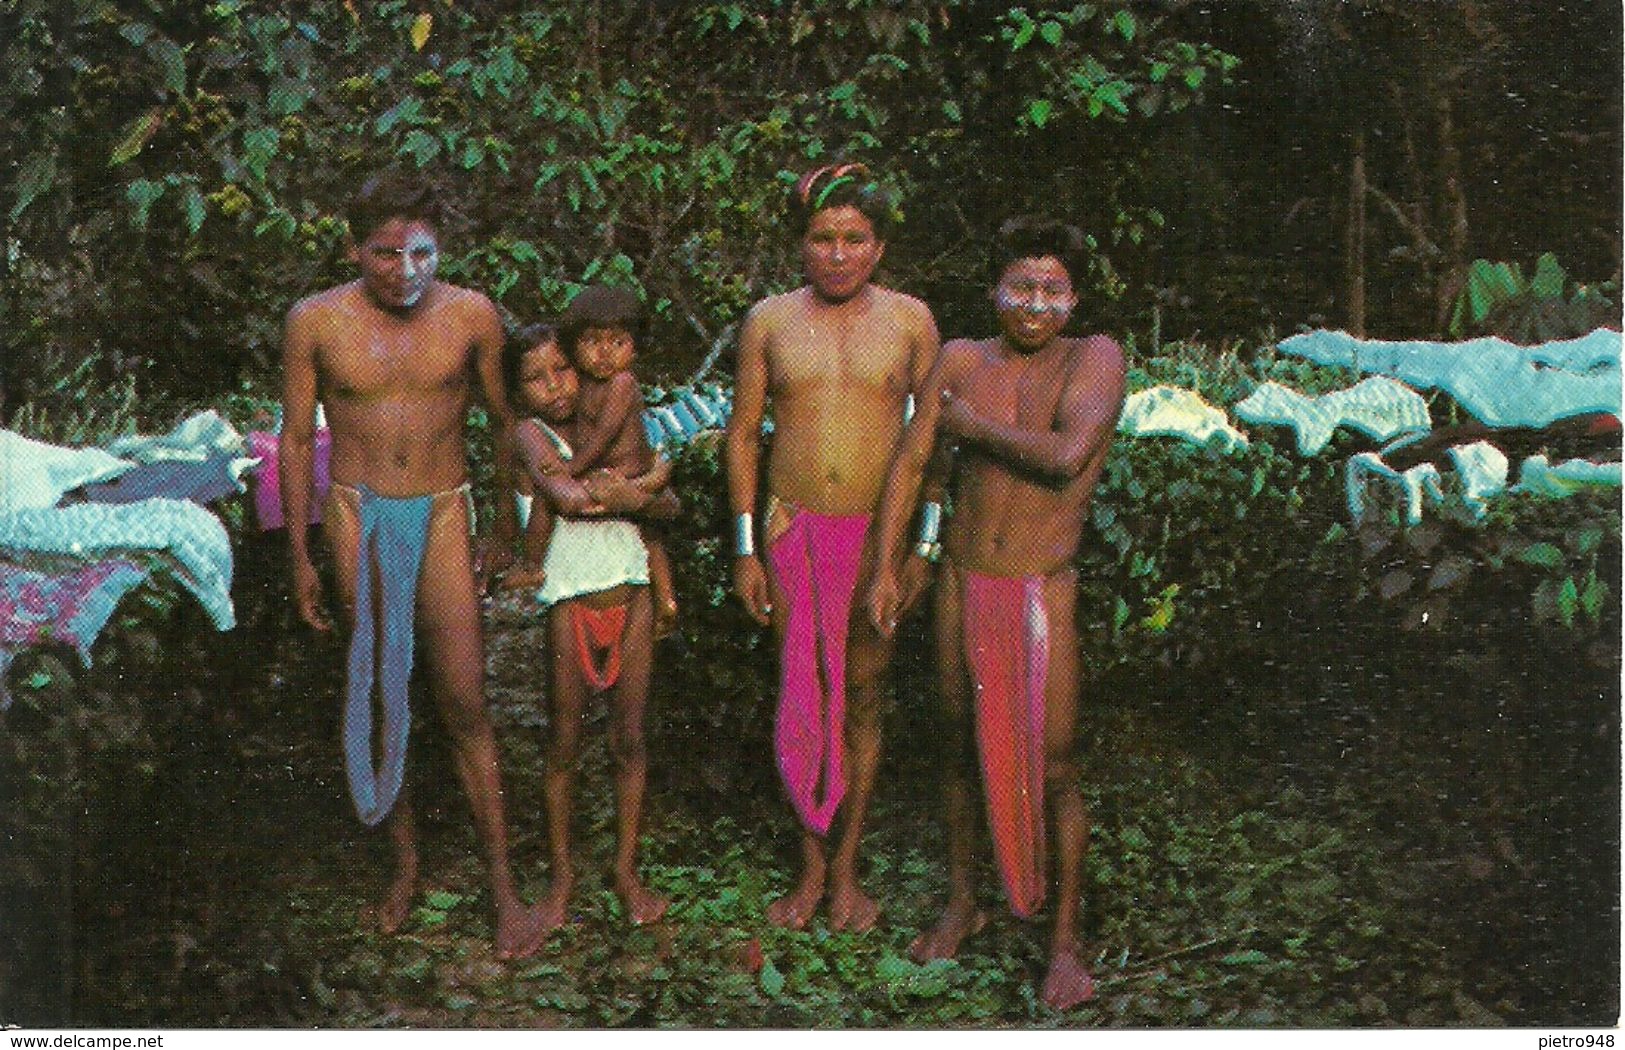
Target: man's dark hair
{"points": [[392, 195], [1032, 237], [836, 185], [602, 306], [521, 342]]}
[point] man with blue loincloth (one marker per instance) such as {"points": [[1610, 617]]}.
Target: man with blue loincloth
{"points": [[1032, 414], [392, 357]]}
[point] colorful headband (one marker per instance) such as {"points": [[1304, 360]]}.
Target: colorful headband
{"points": [[839, 175]]}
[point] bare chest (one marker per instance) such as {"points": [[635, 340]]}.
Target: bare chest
{"points": [[1019, 392], [383, 363], [852, 354]]}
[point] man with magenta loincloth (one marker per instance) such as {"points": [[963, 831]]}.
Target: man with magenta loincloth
{"points": [[1032, 415], [392, 356], [837, 360]]}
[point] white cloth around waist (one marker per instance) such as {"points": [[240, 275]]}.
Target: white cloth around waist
{"points": [[586, 556]]}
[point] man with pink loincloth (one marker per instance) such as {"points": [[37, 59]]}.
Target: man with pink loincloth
{"points": [[1032, 415], [838, 360]]}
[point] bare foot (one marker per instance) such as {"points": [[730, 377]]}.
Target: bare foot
{"points": [[1067, 984], [850, 908], [520, 930], [941, 941], [795, 909], [554, 904], [389, 914], [642, 904]]}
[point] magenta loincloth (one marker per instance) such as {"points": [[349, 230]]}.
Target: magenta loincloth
{"points": [[1007, 650], [816, 564]]}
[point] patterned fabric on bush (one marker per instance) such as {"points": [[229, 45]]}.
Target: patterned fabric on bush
{"points": [[1499, 383], [68, 607], [1379, 408], [1169, 411], [684, 413], [194, 544], [35, 475], [1539, 477]]}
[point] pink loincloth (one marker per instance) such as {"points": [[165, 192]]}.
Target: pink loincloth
{"points": [[1007, 650], [816, 564]]}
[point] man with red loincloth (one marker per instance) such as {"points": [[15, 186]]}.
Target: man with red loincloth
{"points": [[1032, 414]]}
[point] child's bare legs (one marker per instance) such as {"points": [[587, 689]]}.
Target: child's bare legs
{"points": [[628, 702], [568, 693], [662, 591]]}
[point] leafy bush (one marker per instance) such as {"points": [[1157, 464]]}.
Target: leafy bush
{"points": [[1496, 299]]}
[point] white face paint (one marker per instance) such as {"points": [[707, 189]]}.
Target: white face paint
{"points": [[419, 260]]}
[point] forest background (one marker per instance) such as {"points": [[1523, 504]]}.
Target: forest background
{"points": [[170, 181]]}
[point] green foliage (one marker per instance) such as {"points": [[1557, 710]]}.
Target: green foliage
{"points": [[1496, 299], [187, 190]]}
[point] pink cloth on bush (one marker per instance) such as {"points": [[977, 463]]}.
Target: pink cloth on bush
{"points": [[268, 482]]}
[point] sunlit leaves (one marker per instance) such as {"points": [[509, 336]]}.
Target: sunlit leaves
{"points": [[136, 135], [142, 195], [422, 26], [33, 181]]}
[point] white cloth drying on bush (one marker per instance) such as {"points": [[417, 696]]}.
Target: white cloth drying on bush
{"points": [[196, 439], [35, 475], [1171, 411], [1500, 383], [1539, 477], [1378, 407]]}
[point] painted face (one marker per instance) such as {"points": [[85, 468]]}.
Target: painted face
{"points": [[398, 262], [602, 352], [840, 252], [548, 383], [1034, 299]]}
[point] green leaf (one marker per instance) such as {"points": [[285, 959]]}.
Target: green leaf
{"points": [[1023, 35], [136, 135], [1194, 77], [892, 968], [771, 979], [1250, 957], [421, 146], [1039, 110], [143, 193], [172, 61], [259, 146], [421, 27], [1051, 32], [1124, 21], [196, 209], [1568, 601], [1549, 279], [1543, 554], [1593, 597], [34, 180], [443, 900]]}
